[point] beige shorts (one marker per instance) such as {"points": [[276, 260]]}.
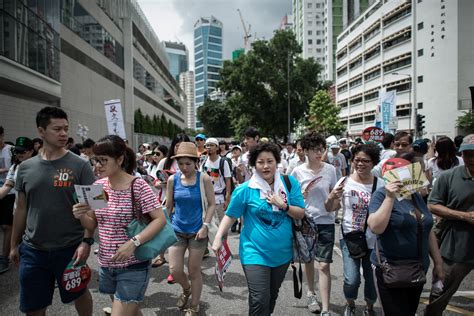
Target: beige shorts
{"points": [[189, 241]]}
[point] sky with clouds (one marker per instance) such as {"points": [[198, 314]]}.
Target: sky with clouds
{"points": [[173, 20]]}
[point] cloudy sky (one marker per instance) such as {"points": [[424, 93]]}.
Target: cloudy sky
{"points": [[173, 20]]}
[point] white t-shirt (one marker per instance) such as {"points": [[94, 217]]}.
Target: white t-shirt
{"points": [[318, 185], [244, 160], [295, 162], [387, 153], [218, 181], [435, 170], [339, 163], [11, 176], [5, 162], [356, 199], [282, 166]]}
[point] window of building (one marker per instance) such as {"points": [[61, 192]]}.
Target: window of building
{"points": [[310, 23], [372, 53], [355, 83], [310, 50], [372, 75], [216, 31], [353, 65], [310, 42], [404, 37], [342, 88], [355, 101], [318, 5], [214, 47], [371, 96], [318, 32], [369, 118], [353, 46], [356, 120], [400, 14], [420, 105], [420, 79], [216, 40], [318, 50], [318, 22], [343, 104], [310, 33], [310, 5], [373, 32], [420, 52], [420, 26], [318, 42], [341, 72]]}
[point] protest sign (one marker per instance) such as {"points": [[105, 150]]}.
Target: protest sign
{"points": [[114, 116], [75, 278], [223, 260], [411, 176], [373, 133]]}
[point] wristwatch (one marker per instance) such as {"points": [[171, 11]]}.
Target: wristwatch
{"points": [[89, 241], [207, 225], [136, 241]]}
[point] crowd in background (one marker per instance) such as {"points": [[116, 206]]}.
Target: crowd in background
{"points": [[254, 186]]}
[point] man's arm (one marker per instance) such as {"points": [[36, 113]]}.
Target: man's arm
{"points": [[19, 226], [447, 213]]}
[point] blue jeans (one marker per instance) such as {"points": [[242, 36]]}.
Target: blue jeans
{"points": [[352, 276], [128, 285]]}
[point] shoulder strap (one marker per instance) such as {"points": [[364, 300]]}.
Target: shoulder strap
{"points": [[134, 202], [286, 178], [374, 188], [419, 235], [374, 185]]}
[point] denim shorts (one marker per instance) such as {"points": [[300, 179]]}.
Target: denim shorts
{"points": [[128, 284], [324, 242], [38, 270], [189, 241]]}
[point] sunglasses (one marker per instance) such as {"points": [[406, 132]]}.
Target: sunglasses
{"points": [[199, 139], [156, 153], [16, 151]]}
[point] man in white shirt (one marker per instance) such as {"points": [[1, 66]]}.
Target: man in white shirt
{"points": [[298, 159], [219, 169], [338, 160], [251, 139]]}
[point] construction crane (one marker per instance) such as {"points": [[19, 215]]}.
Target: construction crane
{"points": [[247, 34]]}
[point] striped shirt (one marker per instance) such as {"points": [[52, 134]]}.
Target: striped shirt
{"points": [[113, 220]]}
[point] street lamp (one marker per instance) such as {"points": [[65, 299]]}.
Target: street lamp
{"points": [[412, 106]]}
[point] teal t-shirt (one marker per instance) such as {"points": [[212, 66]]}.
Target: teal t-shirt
{"points": [[267, 237]]}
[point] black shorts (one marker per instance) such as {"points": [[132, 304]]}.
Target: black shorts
{"points": [[6, 210]]}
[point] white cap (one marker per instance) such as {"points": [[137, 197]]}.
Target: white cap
{"points": [[212, 140]]}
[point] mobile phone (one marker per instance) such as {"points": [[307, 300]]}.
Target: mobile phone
{"points": [[341, 182]]}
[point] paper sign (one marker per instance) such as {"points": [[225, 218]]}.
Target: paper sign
{"points": [[93, 195], [223, 260], [373, 133], [114, 116], [76, 278], [411, 176]]}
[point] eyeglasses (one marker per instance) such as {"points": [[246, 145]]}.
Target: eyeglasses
{"points": [[365, 161], [157, 153], [318, 149], [199, 139], [101, 161]]}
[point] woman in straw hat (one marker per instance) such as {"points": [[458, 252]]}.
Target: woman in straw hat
{"points": [[191, 223]]}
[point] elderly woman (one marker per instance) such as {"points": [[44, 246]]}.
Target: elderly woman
{"points": [[397, 224], [267, 207]]}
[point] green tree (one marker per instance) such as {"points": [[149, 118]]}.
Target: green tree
{"points": [[256, 85], [324, 115], [214, 116], [164, 125], [466, 122], [138, 121]]}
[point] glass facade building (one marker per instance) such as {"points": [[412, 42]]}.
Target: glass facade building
{"points": [[178, 57], [207, 59]]}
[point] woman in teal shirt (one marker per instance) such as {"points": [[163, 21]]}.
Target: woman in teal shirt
{"points": [[266, 246]]}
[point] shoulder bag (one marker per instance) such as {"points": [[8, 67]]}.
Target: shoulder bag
{"points": [[165, 238], [213, 225], [356, 241], [405, 273]]}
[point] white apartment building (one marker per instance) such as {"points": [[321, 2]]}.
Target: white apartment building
{"points": [[420, 48], [186, 83], [308, 26]]}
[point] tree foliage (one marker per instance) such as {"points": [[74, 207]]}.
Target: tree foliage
{"points": [[154, 125], [466, 122], [324, 115], [256, 85], [214, 116]]}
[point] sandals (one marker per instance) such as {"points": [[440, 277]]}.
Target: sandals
{"points": [[183, 299], [158, 262], [193, 310]]}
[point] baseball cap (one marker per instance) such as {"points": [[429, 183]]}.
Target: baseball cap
{"points": [[148, 152], [212, 140], [23, 144], [236, 147], [343, 140], [467, 143], [420, 146], [334, 146], [202, 136]]}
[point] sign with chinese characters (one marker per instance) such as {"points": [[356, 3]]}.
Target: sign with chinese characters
{"points": [[386, 112], [223, 260], [114, 116], [373, 133], [75, 278]]}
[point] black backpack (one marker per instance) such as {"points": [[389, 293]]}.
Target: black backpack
{"points": [[221, 171]]}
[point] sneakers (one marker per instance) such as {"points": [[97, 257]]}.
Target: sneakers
{"points": [[183, 299], [193, 310], [170, 279], [313, 304], [369, 312], [4, 264], [350, 310], [206, 253]]}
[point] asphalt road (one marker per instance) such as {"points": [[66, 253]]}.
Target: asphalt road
{"points": [[161, 297]]}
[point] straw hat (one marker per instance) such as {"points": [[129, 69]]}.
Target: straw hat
{"points": [[186, 149]]}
